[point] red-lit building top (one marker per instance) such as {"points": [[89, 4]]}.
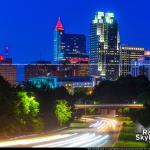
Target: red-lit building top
{"points": [[59, 26]]}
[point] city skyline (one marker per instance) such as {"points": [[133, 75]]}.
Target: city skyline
{"points": [[74, 74], [29, 33]]}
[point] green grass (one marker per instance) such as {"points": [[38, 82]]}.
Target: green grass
{"points": [[79, 124], [131, 129], [127, 136], [130, 144]]}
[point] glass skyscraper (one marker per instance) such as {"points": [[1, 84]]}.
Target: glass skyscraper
{"points": [[58, 32], [65, 43], [104, 47]]}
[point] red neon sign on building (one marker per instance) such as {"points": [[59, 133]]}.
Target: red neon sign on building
{"points": [[76, 60]]}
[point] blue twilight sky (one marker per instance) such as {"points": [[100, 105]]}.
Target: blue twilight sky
{"points": [[26, 26]]}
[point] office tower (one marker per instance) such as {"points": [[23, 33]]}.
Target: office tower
{"points": [[141, 66], [65, 43], [104, 47], [127, 54]]}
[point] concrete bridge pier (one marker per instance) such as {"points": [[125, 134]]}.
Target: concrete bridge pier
{"points": [[112, 112], [104, 111]]}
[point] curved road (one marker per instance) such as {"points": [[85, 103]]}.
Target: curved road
{"points": [[102, 132]]}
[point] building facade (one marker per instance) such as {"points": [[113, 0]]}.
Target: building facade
{"points": [[39, 68], [129, 53], [65, 43], [78, 64], [46, 69], [70, 83], [7, 70], [9, 73], [104, 46], [141, 65], [50, 82]]}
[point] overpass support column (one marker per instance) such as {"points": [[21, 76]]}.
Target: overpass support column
{"points": [[112, 112], [104, 111]]}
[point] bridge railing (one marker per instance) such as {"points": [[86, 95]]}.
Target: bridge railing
{"points": [[110, 105]]}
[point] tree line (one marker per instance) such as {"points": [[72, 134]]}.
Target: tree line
{"points": [[27, 109], [124, 90]]}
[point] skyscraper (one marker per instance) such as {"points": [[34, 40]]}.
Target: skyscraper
{"points": [[58, 32], [104, 46], [65, 43], [129, 53]]}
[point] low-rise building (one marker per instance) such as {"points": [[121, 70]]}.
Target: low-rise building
{"points": [[70, 83], [7, 70]]}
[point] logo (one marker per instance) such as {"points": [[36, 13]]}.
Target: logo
{"points": [[145, 136]]}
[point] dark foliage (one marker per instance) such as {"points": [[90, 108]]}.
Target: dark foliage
{"points": [[124, 90], [47, 98], [8, 98]]}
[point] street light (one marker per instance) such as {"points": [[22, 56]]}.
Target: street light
{"points": [[85, 110]]}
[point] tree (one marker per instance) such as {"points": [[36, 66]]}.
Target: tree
{"points": [[7, 110], [91, 110], [27, 110], [63, 112], [125, 89], [81, 94], [124, 111], [144, 98]]}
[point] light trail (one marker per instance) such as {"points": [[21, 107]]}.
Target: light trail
{"points": [[97, 141], [98, 135], [112, 122], [97, 124], [82, 142], [102, 126], [61, 143], [33, 141]]}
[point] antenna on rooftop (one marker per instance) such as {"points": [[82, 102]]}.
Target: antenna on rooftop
{"points": [[6, 51]]}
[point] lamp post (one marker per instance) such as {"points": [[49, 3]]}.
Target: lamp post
{"points": [[85, 110]]}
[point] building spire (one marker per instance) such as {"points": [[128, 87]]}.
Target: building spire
{"points": [[59, 25]]}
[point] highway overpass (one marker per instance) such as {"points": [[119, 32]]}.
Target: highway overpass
{"points": [[109, 106], [107, 109]]}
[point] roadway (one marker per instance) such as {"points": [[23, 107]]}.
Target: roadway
{"points": [[101, 132]]}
